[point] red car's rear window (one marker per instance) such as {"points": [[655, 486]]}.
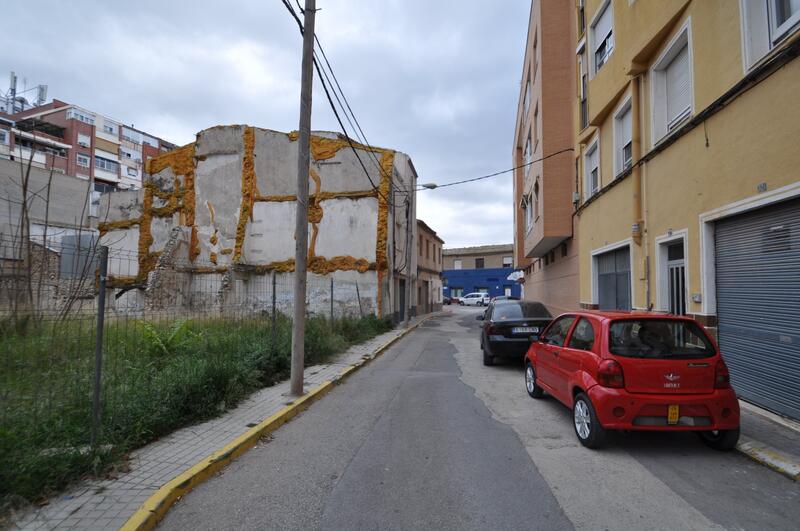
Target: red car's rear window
{"points": [[659, 338]]}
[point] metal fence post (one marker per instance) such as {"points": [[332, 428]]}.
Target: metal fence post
{"points": [[360, 308], [331, 302], [98, 346], [274, 282]]}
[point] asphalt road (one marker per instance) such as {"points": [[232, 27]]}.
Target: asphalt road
{"points": [[426, 437]]}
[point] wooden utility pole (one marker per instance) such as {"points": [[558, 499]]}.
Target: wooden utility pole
{"points": [[301, 225]]}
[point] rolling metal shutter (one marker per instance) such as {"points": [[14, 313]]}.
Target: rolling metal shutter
{"points": [[614, 279], [758, 304]]}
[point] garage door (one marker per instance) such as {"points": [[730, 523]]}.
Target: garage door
{"points": [[758, 304]]}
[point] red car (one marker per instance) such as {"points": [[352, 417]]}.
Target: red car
{"points": [[635, 371]]}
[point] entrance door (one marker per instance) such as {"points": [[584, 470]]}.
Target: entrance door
{"points": [[758, 289], [614, 279], [676, 278], [402, 288]]}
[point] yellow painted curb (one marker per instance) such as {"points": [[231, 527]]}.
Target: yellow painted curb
{"points": [[157, 505]]}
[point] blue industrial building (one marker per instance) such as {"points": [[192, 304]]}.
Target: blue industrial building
{"points": [[494, 281]]}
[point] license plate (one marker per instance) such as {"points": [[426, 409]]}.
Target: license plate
{"points": [[525, 330], [673, 414]]}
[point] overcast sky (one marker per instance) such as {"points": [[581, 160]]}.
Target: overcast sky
{"points": [[437, 80]]}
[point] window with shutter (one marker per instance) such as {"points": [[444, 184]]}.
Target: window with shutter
{"points": [[602, 34], [623, 135], [592, 170], [678, 84], [672, 85]]}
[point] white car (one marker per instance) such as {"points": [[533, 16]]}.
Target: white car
{"points": [[475, 299]]}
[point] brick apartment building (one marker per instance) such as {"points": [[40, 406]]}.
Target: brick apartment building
{"points": [[545, 235], [80, 143]]}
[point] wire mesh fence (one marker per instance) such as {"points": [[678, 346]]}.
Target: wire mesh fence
{"points": [[96, 364]]}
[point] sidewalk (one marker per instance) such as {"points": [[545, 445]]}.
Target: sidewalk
{"points": [[771, 440], [109, 503]]}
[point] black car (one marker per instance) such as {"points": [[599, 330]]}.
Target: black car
{"points": [[509, 326]]}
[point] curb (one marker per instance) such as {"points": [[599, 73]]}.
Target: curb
{"points": [[157, 505], [770, 458]]}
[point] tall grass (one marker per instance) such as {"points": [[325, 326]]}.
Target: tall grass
{"points": [[157, 377]]}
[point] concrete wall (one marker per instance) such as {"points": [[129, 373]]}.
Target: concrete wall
{"points": [[67, 207], [233, 194], [492, 256]]}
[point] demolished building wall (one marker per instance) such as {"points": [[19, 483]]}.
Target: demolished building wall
{"points": [[222, 210]]}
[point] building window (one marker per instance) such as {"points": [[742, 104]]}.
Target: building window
{"points": [[82, 160], [526, 102], [527, 155], [105, 164], [527, 211], [479, 263], [427, 249], [581, 18], [591, 165], [508, 261], [536, 200], [132, 172], [150, 141], [535, 126], [3, 137], [457, 264], [73, 114], [765, 23], [582, 90], [109, 128], [535, 54], [131, 136], [84, 140], [672, 86], [784, 15], [623, 154], [602, 36]]}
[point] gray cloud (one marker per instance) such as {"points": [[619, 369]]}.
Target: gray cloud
{"points": [[437, 80]]}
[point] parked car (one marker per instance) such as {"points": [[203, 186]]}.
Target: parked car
{"points": [[446, 301], [509, 327], [474, 299], [635, 371], [505, 298]]}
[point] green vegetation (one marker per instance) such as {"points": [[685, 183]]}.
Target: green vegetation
{"points": [[157, 377]]}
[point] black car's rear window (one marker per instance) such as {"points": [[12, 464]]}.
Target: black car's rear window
{"points": [[658, 338], [519, 310]]}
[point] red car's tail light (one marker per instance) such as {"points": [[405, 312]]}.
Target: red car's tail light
{"points": [[609, 374], [722, 378]]}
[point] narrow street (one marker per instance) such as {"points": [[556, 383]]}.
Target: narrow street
{"points": [[426, 437]]}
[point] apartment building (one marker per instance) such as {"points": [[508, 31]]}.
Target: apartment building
{"points": [[429, 269], [545, 247], [482, 269], [686, 123], [81, 143]]}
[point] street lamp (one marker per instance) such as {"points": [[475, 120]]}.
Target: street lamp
{"points": [[429, 186]]}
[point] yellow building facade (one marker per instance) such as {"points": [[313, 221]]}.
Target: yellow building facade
{"points": [[686, 119]]}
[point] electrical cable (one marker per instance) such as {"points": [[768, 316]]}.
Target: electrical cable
{"points": [[322, 77], [496, 173]]}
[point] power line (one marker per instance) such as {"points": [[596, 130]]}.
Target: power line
{"points": [[322, 77], [496, 173]]}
